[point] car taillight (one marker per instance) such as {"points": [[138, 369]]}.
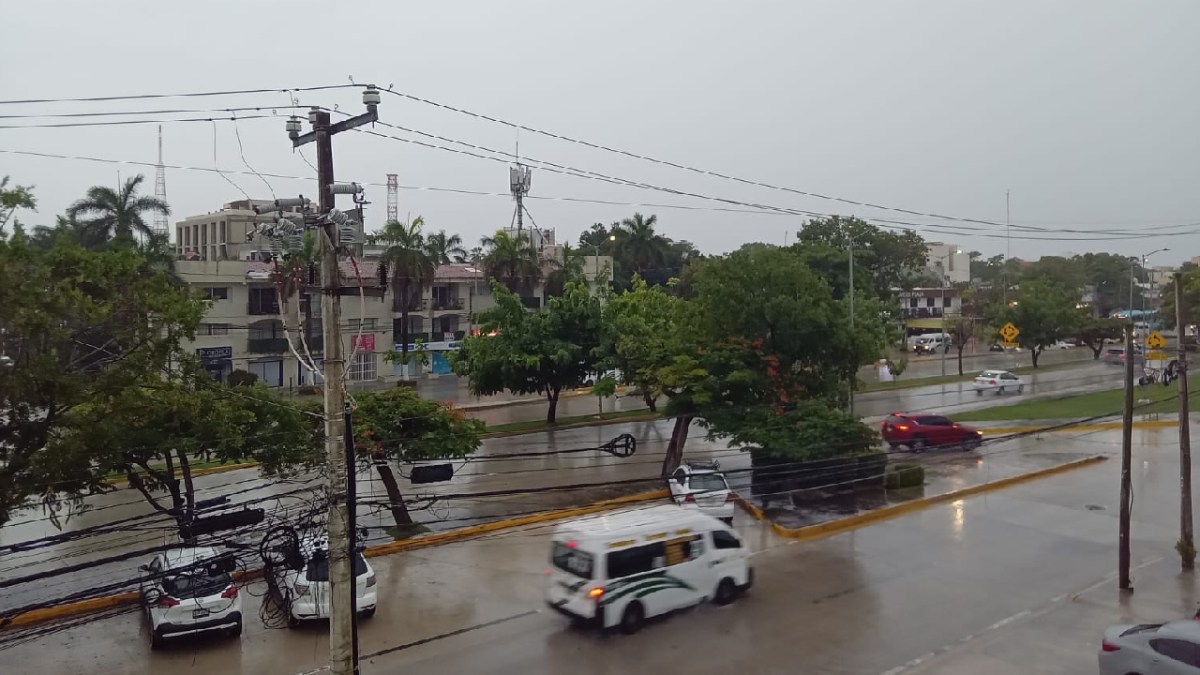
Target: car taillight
{"points": [[370, 581], [902, 427], [167, 601], [230, 592], [729, 498], [1109, 647], [301, 589], [993, 382], [596, 593], [690, 498]]}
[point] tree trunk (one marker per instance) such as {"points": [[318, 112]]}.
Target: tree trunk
{"points": [[395, 499], [552, 397], [1096, 351], [675, 448], [651, 402], [960, 351], [1035, 353], [189, 493]]}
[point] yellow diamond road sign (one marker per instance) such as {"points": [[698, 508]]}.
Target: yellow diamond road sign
{"points": [[1155, 340], [1009, 332]]}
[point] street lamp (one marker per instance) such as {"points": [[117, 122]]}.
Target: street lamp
{"points": [[1132, 268]]}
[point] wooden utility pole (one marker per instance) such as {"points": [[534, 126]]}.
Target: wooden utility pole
{"points": [[343, 648], [1126, 464], [1187, 546]]}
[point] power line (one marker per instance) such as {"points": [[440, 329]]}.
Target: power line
{"points": [[114, 123], [133, 97], [169, 111]]}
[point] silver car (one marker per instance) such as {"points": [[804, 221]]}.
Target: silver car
{"points": [[1151, 649]]}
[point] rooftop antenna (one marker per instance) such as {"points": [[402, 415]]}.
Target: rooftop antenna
{"points": [[519, 179], [159, 224]]}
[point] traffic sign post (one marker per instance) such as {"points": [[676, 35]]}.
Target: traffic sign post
{"points": [[1009, 332]]}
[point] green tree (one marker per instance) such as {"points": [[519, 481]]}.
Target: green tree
{"points": [[106, 214], [887, 259], [1045, 314], [411, 265], [763, 332], [1067, 273], [79, 326], [639, 337], [1191, 301], [152, 433], [399, 426], [543, 352], [1094, 332], [12, 199], [641, 250], [512, 260]]}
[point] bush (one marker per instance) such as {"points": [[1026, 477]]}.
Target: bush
{"points": [[242, 378], [903, 476], [309, 390]]}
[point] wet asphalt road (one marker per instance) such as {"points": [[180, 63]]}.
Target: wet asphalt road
{"points": [[454, 506], [872, 601]]}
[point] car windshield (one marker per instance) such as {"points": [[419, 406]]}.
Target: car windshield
{"points": [[197, 584], [707, 482], [318, 570], [571, 560]]}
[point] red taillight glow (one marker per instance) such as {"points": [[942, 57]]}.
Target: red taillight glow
{"points": [[902, 427], [690, 498], [230, 592], [993, 382], [572, 544], [167, 601], [1109, 647], [596, 592]]}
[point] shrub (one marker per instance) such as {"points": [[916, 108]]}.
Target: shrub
{"points": [[309, 390], [242, 378]]}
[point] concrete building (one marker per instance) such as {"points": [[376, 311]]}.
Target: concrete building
{"points": [[948, 261], [247, 328], [924, 309]]}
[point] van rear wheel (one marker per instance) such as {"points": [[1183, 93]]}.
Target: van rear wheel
{"points": [[726, 592], [632, 618]]}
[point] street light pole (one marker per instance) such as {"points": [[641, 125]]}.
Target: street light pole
{"points": [[850, 251]]}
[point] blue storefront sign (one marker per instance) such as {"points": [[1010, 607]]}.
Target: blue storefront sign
{"points": [[214, 354]]}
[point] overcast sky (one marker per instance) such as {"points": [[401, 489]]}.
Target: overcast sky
{"points": [[1088, 110]]}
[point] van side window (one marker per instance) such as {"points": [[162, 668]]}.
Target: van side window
{"points": [[723, 539], [684, 549], [636, 560]]}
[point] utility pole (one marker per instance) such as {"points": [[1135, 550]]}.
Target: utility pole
{"points": [[342, 647], [1187, 545], [352, 528], [1007, 241], [1126, 465], [850, 249]]}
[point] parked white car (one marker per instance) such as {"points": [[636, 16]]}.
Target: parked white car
{"points": [[703, 487], [305, 592], [1151, 649], [998, 380], [1062, 344], [188, 591]]}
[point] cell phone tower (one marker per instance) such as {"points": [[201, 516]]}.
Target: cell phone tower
{"points": [[160, 189], [393, 204]]}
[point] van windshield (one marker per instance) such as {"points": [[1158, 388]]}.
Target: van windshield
{"points": [[572, 561]]}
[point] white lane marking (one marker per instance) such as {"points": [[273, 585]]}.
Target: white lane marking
{"points": [[1050, 606]]}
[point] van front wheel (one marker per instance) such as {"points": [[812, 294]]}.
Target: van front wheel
{"points": [[632, 618], [726, 592]]}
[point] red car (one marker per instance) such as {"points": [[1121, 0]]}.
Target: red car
{"points": [[918, 431]]}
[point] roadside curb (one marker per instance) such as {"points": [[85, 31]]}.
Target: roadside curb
{"points": [[853, 522], [47, 614], [1102, 426], [648, 416]]}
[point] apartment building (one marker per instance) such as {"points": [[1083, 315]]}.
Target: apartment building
{"points": [[248, 329], [925, 309], [948, 261]]}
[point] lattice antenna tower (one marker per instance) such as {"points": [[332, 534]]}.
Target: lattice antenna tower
{"points": [[160, 188], [519, 179], [393, 203]]}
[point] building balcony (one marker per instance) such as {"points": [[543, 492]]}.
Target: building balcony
{"points": [[414, 306], [927, 312], [448, 303], [268, 345]]}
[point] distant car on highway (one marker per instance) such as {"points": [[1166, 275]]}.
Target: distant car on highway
{"points": [[917, 431], [703, 487], [1062, 344], [1151, 649], [1116, 357], [998, 380], [188, 591], [998, 347]]}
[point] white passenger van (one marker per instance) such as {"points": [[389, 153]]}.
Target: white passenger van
{"points": [[619, 569]]}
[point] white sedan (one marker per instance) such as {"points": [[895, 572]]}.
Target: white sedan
{"points": [[1151, 649], [998, 380], [187, 591]]}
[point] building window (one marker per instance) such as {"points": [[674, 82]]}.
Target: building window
{"points": [[263, 301], [947, 302], [929, 302], [912, 302], [216, 293], [356, 325], [363, 367], [270, 372], [214, 329]]}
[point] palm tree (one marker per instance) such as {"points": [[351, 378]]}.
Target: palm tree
{"points": [[446, 248], [116, 214], [639, 247], [562, 271], [411, 267], [512, 260]]}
